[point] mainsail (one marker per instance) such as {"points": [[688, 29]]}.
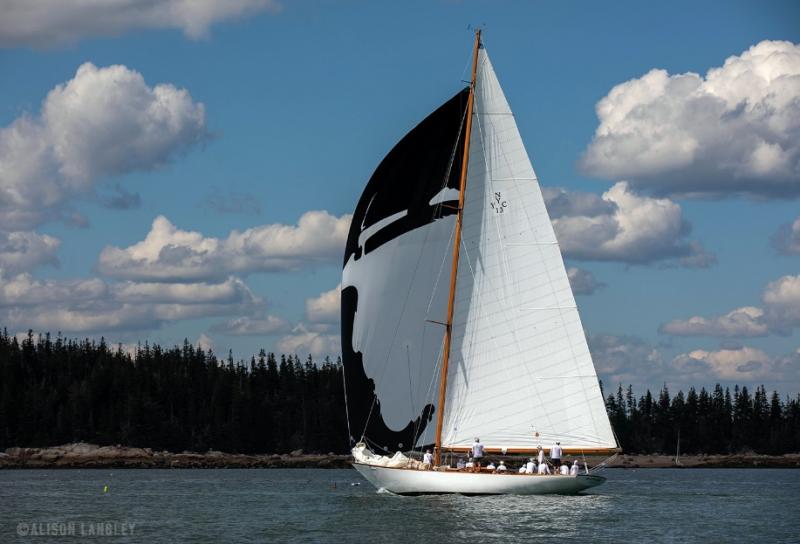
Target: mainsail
{"points": [[520, 373]]}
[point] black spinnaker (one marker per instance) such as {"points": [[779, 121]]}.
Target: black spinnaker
{"points": [[414, 188]]}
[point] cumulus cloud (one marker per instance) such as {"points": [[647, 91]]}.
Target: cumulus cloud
{"points": [[314, 337], [302, 341], [204, 342], [325, 308], [92, 305], [782, 303], [582, 281], [23, 290], [170, 254], [743, 363], [736, 130], [747, 321], [103, 122], [253, 326], [632, 360], [779, 314], [231, 291], [563, 203], [787, 239], [53, 22], [25, 250], [623, 226], [625, 359]]}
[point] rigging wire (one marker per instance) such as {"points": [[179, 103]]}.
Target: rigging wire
{"points": [[347, 409], [430, 394]]}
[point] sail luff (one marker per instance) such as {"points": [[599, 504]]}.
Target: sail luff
{"points": [[456, 246]]}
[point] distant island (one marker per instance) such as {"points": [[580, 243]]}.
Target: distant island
{"points": [[183, 406]]}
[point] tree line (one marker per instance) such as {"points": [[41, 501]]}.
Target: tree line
{"points": [[713, 422], [55, 391]]}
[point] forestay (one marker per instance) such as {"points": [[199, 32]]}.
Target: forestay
{"points": [[520, 372]]}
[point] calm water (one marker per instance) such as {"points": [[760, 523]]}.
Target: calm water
{"points": [[304, 506]]}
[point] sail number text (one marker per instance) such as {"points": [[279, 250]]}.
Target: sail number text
{"points": [[498, 204]]}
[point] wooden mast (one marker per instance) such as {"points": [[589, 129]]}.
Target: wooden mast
{"points": [[456, 247]]}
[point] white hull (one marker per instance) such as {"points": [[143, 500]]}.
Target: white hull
{"points": [[418, 482]]}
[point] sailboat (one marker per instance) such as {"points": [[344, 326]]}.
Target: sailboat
{"points": [[456, 306]]}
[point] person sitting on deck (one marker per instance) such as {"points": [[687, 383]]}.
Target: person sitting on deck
{"points": [[563, 470], [469, 464], [427, 460], [477, 453], [491, 466], [501, 467], [523, 469], [461, 464], [530, 468], [573, 470], [544, 468]]}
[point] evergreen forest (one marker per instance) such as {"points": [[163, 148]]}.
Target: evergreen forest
{"points": [[56, 391]]}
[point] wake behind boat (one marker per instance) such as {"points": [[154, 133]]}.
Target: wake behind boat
{"points": [[500, 354]]}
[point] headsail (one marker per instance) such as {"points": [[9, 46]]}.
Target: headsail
{"points": [[398, 242], [520, 372]]}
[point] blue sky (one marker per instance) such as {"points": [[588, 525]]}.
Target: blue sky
{"points": [[301, 100]]}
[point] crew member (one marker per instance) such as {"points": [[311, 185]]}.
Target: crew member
{"points": [[530, 468], [477, 453], [427, 460], [555, 454]]}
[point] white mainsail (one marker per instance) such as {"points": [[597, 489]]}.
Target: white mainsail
{"points": [[520, 371]]}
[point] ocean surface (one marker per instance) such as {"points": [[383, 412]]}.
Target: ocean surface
{"points": [[272, 505]]}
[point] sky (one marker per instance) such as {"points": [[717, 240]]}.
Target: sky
{"points": [[176, 170]]}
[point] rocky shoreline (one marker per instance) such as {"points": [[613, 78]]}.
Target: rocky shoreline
{"points": [[739, 460], [83, 455]]}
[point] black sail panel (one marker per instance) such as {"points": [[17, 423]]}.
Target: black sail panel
{"points": [[393, 287]]}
